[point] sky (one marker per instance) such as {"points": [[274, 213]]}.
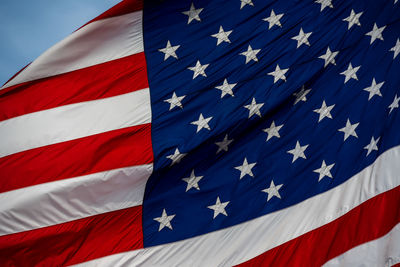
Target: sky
{"points": [[30, 27]]}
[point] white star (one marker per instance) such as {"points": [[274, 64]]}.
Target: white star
{"points": [[350, 73], [272, 190], [349, 129], [169, 51], [193, 13], [302, 38], [395, 103], [202, 123], [374, 89], [222, 36], [245, 168], [226, 88], [353, 18], [245, 2], [278, 73], [324, 111], [223, 145], [198, 69], [176, 157], [250, 54], [164, 220], [175, 101], [325, 170], [219, 208], [301, 95], [274, 19], [254, 108], [324, 4], [298, 151], [329, 57], [192, 181], [273, 130], [396, 49], [372, 145], [376, 33]]}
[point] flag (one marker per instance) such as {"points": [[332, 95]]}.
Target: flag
{"points": [[208, 133]]}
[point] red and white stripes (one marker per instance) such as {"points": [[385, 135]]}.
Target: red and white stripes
{"points": [[76, 152], [384, 251], [100, 41], [108, 79], [307, 234]]}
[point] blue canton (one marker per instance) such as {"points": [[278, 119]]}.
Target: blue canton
{"points": [[259, 105]]}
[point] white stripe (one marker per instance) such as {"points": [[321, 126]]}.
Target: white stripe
{"points": [[98, 42], [70, 199], [245, 241], [384, 251], [74, 121]]}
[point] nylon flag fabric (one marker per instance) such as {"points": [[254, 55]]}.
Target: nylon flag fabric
{"points": [[208, 133]]}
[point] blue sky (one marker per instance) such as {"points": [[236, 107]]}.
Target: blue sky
{"points": [[30, 27]]}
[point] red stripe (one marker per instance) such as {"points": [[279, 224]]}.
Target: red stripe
{"points": [[124, 7], [76, 241], [100, 81], [115, 149], [371, 220]]}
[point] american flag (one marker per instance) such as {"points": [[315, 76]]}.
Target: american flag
{"points": [[208, 133]]}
